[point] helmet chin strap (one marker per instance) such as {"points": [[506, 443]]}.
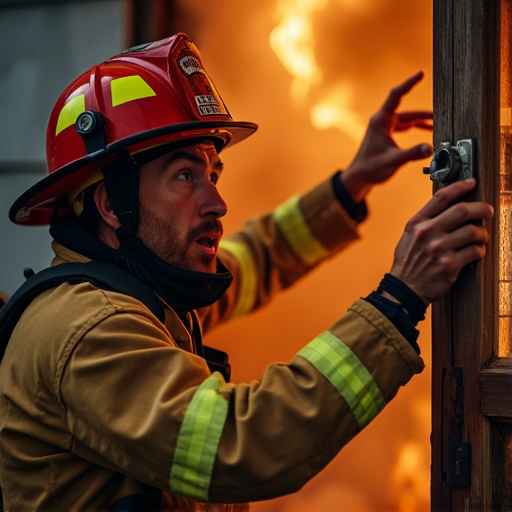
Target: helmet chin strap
{"points": [[121, 177], [122, 186]]}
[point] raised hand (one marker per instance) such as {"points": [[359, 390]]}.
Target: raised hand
{"points": [[379, 157]]}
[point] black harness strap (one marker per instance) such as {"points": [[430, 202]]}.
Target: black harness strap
{"points": [[102, 275]]}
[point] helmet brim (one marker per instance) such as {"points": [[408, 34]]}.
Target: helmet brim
{"points": [[36, 205]]}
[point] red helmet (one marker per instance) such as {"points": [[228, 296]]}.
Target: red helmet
{"points": [[144, 97]]}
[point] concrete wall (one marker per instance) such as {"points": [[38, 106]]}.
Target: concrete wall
{"points": [[45, 45]]}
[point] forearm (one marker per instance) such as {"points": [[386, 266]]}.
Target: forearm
{"points": [[287, 427], [273, 251]]}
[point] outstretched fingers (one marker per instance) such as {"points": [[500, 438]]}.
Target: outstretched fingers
{"points": [[414, 119], [417, 152], [396, 94]]}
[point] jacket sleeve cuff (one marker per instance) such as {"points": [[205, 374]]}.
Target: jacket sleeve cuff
{"points": [[358, 211], [327, 220], [396, 314]]}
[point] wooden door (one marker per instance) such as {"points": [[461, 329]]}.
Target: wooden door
{"points": [[471, 364]]}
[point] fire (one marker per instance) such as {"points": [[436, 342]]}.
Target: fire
{"points": [[410, 470], [333, 112], [334, 103], [293, 42], [311, 73]]}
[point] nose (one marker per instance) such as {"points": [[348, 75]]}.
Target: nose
{"points": [[212, 205]]}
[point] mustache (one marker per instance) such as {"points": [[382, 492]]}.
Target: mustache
{"points": [[208, 226]]}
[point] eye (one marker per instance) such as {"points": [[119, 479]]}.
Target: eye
{"points": [[214, 177], [184, 176]]}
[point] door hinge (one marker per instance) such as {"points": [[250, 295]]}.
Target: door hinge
{"points": [[459, 463], [457, 453]]}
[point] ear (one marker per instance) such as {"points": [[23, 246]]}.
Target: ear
{"points": [[104, 208]]}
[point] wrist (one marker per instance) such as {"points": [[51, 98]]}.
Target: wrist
{"points": [[397, 315], [408, 299], [356, 189], [357, 211], [388, 296]]}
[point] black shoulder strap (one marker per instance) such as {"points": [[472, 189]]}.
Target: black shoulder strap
{"points": [[103, 275]]}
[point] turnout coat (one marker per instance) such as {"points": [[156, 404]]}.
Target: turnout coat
{"points": [[100, 400]]}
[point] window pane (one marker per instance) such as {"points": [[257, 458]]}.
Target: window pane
{"points": [[505, 221]]}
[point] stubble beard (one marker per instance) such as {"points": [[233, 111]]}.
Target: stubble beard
{"points": [[160, 235]]}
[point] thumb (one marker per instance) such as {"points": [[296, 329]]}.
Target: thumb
{"points": [[418, 152], [400, 157]]}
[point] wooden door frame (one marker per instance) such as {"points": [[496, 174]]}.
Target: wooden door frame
{"points": [[464, 329]]}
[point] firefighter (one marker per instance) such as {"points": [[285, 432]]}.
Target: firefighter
{"points": [[106, 404]]}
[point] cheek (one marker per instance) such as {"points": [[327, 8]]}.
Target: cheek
{"points": [[156, 200]]}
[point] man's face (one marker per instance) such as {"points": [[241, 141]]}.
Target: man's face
{"points": [[180, 207]]}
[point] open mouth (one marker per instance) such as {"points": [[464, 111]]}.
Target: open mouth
{"points": [[207, 236], [206, 241]]}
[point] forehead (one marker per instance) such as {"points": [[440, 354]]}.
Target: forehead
{"points": [[203, 152], [206, 149]]}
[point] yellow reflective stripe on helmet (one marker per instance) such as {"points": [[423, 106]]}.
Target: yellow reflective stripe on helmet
{"points": [[248, 283], [342, 368], [295, 229], [198, 440], [70, 112], [129, 88]]}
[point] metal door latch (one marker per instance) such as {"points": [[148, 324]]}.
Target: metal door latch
{"points": [[459, 463], [453, 163]]}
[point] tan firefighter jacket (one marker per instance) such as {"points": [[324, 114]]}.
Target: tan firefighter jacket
{"points": [[99, 399]]}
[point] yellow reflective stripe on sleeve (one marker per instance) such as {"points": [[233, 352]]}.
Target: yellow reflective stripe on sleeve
{"points": [[70, 112], [248, 284], [295, 229], [342, 368], [198, 440], [129, 88]]}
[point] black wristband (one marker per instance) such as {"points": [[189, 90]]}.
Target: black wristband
{"points": [[357, 211], [408, 299], [397, 315]]}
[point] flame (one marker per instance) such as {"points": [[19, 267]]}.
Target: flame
{"points": [[411, 469], [336, 58], [333, 111], [408, 476], [293, 42], [331, 104]]}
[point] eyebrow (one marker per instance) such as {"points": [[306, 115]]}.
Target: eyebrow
{"points": [[219, 165]]}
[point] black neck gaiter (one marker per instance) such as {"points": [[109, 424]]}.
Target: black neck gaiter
{"points": [[184, 290]]}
